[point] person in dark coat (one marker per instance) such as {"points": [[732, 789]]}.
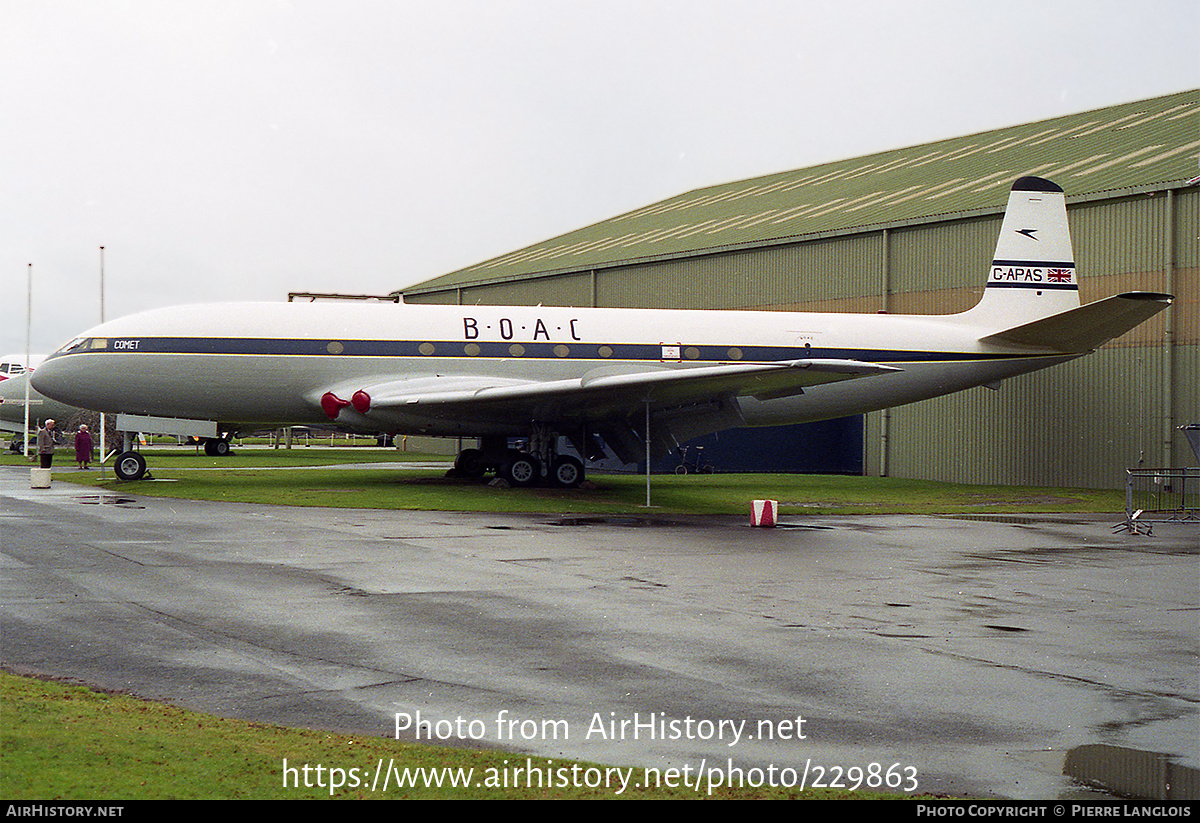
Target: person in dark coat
{"points": [[83, 446]]}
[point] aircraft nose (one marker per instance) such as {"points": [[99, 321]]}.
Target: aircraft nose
{"points": [[55, 379]]}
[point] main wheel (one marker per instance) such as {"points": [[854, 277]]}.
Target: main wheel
{"points": [[469, 463], [129, 466], [216, 447], [566, 472], [522, 470]]}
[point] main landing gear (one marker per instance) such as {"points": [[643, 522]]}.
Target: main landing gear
{"points": [[214, 446], [521, 468], [217, 447]]}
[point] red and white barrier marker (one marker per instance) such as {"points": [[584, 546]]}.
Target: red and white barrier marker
{"points": [[764, 513]]}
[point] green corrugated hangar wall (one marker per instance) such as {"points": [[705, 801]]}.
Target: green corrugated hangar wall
{"points": [[913, 231]]}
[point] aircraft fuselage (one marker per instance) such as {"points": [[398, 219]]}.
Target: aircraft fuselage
{"points": [[268, 363]]}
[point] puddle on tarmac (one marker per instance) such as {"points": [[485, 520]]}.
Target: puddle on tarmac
{"points": [[613, 521], [1014, 519], [108, 500], [1132, 772]]}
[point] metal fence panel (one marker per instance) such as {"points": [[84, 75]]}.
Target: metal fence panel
{"points": [[1161, 496]]}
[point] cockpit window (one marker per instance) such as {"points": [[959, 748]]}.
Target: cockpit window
{"points": [[77, 343]]}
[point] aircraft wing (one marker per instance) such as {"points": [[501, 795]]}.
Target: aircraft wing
{"points": [[606, 390]]}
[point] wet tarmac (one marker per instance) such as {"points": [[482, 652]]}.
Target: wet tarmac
{"points": [[977, 652]]}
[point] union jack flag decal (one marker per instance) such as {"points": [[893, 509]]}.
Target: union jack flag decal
{"points": [[1060, 275]]}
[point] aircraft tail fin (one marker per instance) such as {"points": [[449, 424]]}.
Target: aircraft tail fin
{"points": [[1033, 271]]}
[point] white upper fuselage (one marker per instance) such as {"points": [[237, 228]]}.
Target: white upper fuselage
{"points": [[269, 363]]}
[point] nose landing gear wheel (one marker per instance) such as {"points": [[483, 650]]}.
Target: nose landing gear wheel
{"points": [[129, 466]]}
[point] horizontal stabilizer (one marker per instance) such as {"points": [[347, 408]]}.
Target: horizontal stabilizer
{"points": [[1087, 327]]}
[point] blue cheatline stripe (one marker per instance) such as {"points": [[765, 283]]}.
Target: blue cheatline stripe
{"points": [[472, 349], [1036, 264]]}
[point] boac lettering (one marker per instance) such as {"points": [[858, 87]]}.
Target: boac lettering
{"points": [[507, 329]]}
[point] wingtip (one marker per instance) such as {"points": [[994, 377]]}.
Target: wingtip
{"points": [[1159, 297]]}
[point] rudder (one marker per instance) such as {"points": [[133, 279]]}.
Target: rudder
{"points": [[1033, 272]]}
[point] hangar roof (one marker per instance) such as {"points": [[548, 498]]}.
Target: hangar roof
{"points": [[1131, 148]]}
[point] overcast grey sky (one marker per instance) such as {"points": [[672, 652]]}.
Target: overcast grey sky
{"points": [[241, 149]]}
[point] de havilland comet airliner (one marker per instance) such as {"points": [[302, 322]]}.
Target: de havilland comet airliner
{"points": [[644, 380]]}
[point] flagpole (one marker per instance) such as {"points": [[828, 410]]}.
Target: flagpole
{"points": [[103, 427], [28, 327]]}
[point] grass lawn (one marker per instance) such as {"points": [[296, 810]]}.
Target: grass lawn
{"points": [[312, 477], [66, 742]]}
